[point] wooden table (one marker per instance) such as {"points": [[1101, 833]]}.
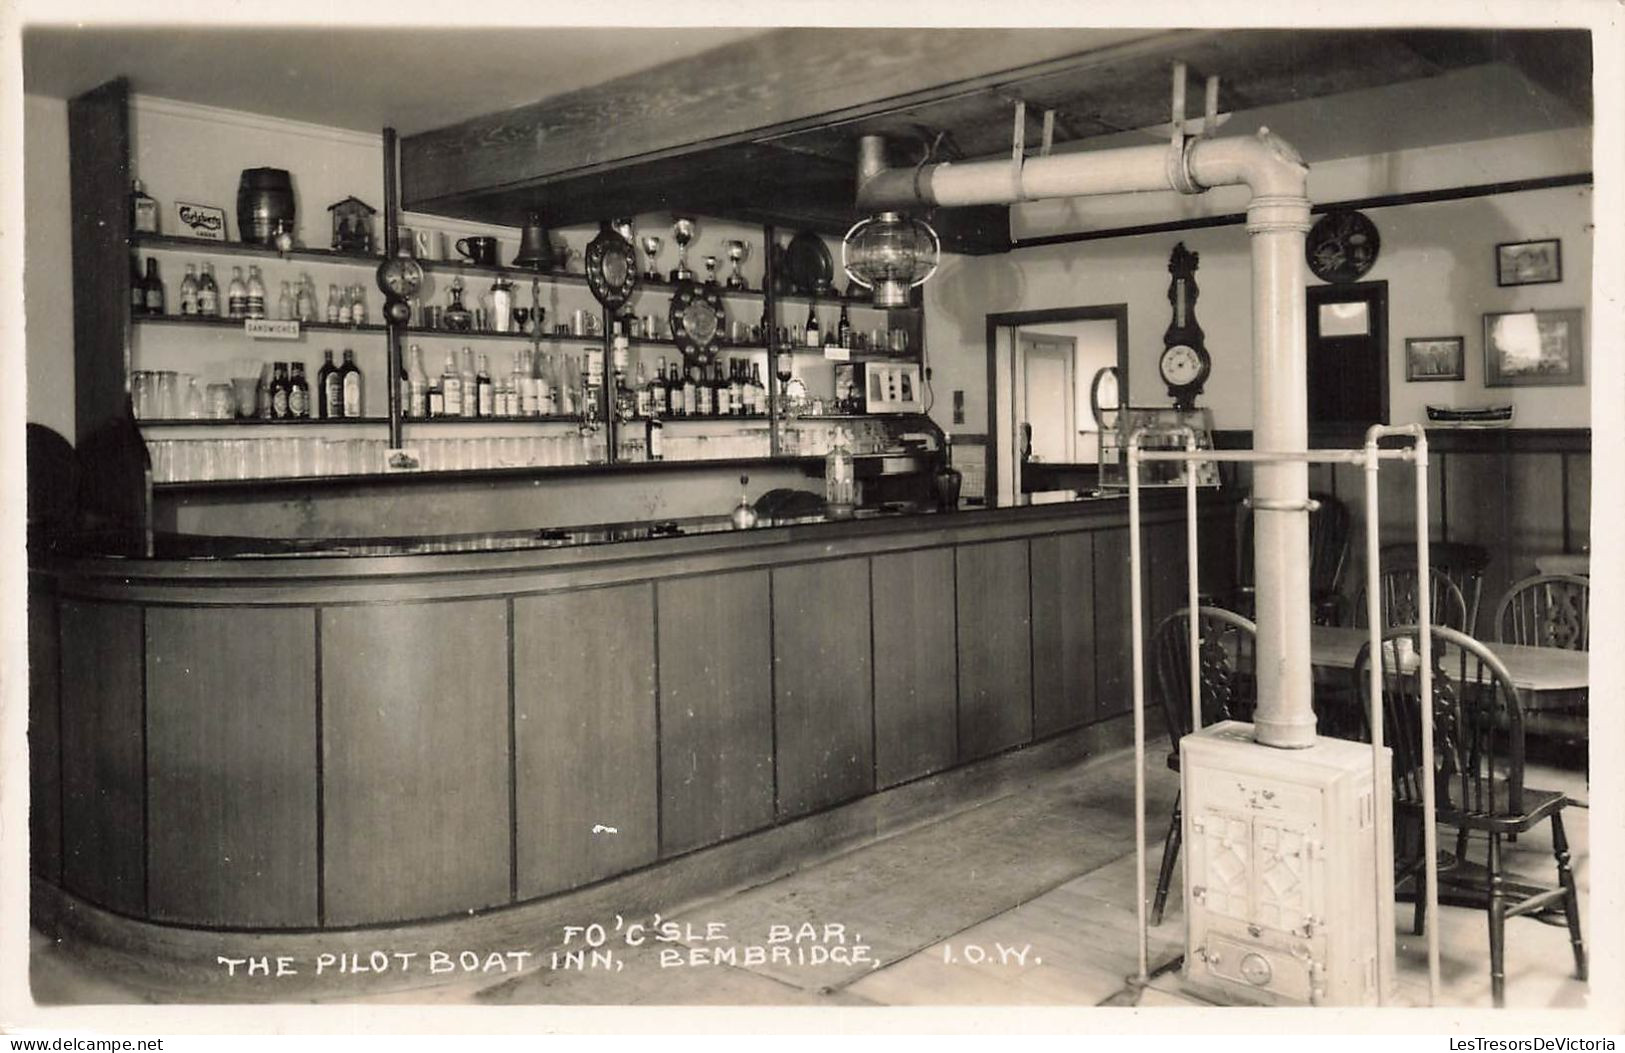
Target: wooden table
{"points": [[1534, 670]]}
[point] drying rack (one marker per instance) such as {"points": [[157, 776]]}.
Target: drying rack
{"points": [[1370, 457]]}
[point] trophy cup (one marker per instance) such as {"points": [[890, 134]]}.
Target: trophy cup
{"points": [[683, 230], [710, 270], [738, 252], [651, 249]]}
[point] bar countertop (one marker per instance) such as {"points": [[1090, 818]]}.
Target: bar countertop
{"points": [[122, 552]]}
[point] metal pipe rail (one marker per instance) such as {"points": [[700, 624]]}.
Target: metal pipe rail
{"points": [[1370, 457]]}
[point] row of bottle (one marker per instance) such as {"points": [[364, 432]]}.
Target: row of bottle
{"points": [[540, 384], [702, 392], [200, 297], [285, 393]]}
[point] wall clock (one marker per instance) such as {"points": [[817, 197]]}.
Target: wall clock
{"points": [[400, 277], [1342, 246], [697, 321], [1185, 363], [612, 268]]}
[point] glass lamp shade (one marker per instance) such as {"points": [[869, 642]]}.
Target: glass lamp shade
{"points": [[890, 253]]}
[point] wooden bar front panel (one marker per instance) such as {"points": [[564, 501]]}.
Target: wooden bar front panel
{"points": [[44, 740], [231, 772], [415, 760], [1063, 632], [587, 803], [716, 708], [995, 648], [1114, 690], [103, 806], [823, 706], [916, 679]]}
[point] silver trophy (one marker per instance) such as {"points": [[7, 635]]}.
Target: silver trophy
{"points": [[683, 230], [710, 270], [738, 252], [651, 250]]}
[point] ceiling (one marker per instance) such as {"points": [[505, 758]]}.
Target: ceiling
{"points": [[1332, 93], [354, 77]]}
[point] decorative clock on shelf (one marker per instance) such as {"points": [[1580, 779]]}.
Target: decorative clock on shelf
{"points": [[1184, 364], [612, 268], [1342, 246], [697, 321], [400, 277]]}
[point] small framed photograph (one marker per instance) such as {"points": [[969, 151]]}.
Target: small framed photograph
{"points": [[200, 221], [1436, 358], [1534, 347], [1529, 262]]}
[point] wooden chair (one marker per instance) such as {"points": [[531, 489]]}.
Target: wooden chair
{"points": [[1397, 592], [1546, 610], [1329, 541], [1478, 738], [1551, 610], [1461, 562], [1226, 653]]}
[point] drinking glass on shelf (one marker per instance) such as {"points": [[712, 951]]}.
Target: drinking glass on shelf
{"points": [[143, 386], [168, 397]]}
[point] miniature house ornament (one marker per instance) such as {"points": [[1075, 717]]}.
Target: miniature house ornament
{"points": [[352, 226]]}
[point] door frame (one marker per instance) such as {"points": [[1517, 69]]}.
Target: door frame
{"points": [[1117, 312]]}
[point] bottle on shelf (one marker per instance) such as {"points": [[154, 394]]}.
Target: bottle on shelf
{"points": [[284, 303], [262, 392], [759, 389], [652, 439], [656, 399], [298, 393], [344, 306], [351, 380], [691, 394], [304, 303], [358, 304], [417, 385], [843, 328], [404, 383], [470, 389], [154, 288], [813, 335], [138, 288], [208, 293], [255, 302], [620, 353], [237, 295], [279, 391], [189, 306], [332, 304], [485, 390], [435, 400], [329, 395], [642, 398], [840, 489], [736, 389], [143, 210], [451, 387], [674, 392], [523, 380]]}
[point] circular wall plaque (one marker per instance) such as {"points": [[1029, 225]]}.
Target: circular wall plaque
{"points": [[1342, 246], [697, 320]]}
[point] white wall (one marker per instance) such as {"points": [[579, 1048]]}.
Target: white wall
{"points": [[1438, 260], [48, 265]]}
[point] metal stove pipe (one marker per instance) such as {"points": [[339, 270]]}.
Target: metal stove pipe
{"points": [[1277, 219]]}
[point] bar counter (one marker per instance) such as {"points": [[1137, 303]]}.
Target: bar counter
{"points": [[285, 735]]}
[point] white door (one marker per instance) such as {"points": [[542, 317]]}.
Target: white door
{"points": [[1045, 396]]}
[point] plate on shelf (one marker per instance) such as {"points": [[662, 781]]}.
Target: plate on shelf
{"points": [[808, 265]]}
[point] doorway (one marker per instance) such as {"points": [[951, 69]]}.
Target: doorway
{"points": [[1040, 367], [1348, 354]]}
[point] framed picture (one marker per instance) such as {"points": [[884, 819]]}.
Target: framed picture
{"points": [[200, 221], [1534, 347], [1529, 262], [1436, 358]]}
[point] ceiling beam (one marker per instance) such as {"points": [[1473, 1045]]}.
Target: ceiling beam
{"points": [[769, 85]]}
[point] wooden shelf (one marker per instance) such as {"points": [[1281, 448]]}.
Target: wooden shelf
{"points": [[257, 422], [171, 243], [549, 418], [417, 333], [700, 417], [519, 274], [237, 323]]}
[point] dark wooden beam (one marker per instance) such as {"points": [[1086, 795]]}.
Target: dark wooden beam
{"points": [[771, 84]]}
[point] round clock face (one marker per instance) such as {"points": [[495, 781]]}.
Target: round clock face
{"points": [[612, 272], [400, 277], [696, 319], [1342, 246], [1180, 365]]}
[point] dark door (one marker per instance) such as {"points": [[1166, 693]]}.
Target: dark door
{"points": [[1348, 354]]}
